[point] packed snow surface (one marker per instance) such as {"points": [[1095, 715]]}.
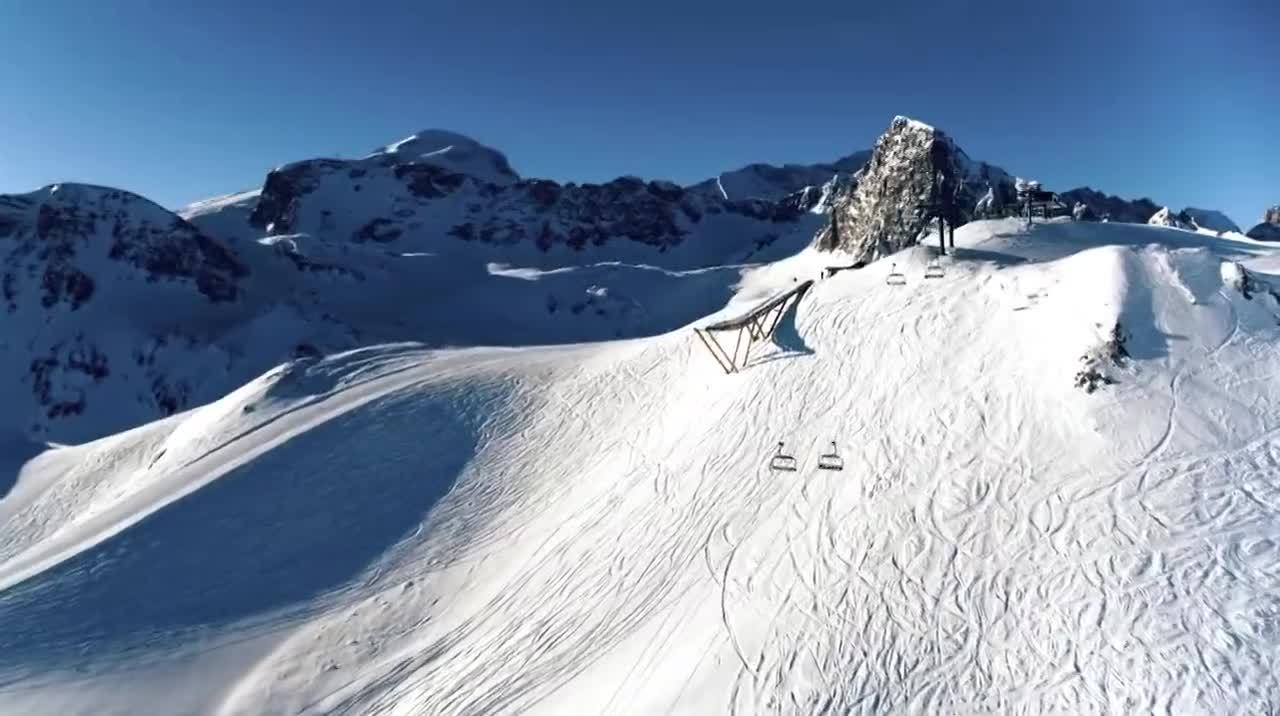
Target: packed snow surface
{"points": [[593, 528]]}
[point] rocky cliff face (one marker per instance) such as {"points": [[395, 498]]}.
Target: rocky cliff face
{"points": [[912, 165], [401, 202], [55, 240], [1113, 208], [1168, 217], [99, 284], [1269, 229]]}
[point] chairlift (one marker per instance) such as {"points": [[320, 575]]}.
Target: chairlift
{"points": [[933, 269], [895, 277], [782, 461], [831, 460]]}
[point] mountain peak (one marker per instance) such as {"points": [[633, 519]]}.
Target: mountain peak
{"points": [[453, 151], [902, 121]]}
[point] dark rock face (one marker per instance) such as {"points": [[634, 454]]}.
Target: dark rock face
{"points": [[1113, 208], [78, 265], [60, 234], [1168, 217], [1265, 232], [306, 196], [913, 165], [1269, 229]]}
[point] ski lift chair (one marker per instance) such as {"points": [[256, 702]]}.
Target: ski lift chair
{"points": [[831, 460], [895, 277], [933, 269], [782, 461]]}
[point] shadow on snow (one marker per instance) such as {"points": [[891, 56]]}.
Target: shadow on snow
{"points": [[263, 540]]}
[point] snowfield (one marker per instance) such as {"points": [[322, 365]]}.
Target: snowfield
{"points": [[593, 528]]}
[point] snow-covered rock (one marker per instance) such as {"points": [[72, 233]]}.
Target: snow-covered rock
{"points": [[988, 204], [912, 165], [112, 307], [1167, 217], [450, 151], [395, 200], [226, 217], [1082, 212], [1112, 208]]}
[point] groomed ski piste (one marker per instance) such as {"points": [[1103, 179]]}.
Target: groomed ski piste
{"points": [[595, 528]]}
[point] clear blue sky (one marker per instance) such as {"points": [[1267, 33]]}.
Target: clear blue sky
{"points": [[1178, 100]]}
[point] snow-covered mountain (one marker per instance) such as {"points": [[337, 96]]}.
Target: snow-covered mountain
{"points": [[1211, 220], [408, 202], [1173, 219], [594, 528], [113, 309], [452, 152], [119, 312], [1191, 219], [1114, 208], [434, 239], [772, 182]]}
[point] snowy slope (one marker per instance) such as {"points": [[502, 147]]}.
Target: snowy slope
{"points": [[592, 528]]}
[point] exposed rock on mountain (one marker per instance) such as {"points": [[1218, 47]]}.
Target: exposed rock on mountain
{"points": [[1167, 217], [396, 199], [913, 165], [1110, 207], [99, 283], [63, 233], [1269, 229]]}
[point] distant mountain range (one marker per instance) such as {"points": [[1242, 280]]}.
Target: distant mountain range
{"points": [[117, 311]]}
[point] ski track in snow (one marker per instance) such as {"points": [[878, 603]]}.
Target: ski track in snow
{"points": [[997, 541]]}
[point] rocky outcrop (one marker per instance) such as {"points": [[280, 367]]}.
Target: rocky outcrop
{"points": [[94, 280], [1111, 208], [1177, 220], [1082, 212], [913, 165], [397, 198], [56, 240], [1269, 229]]}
